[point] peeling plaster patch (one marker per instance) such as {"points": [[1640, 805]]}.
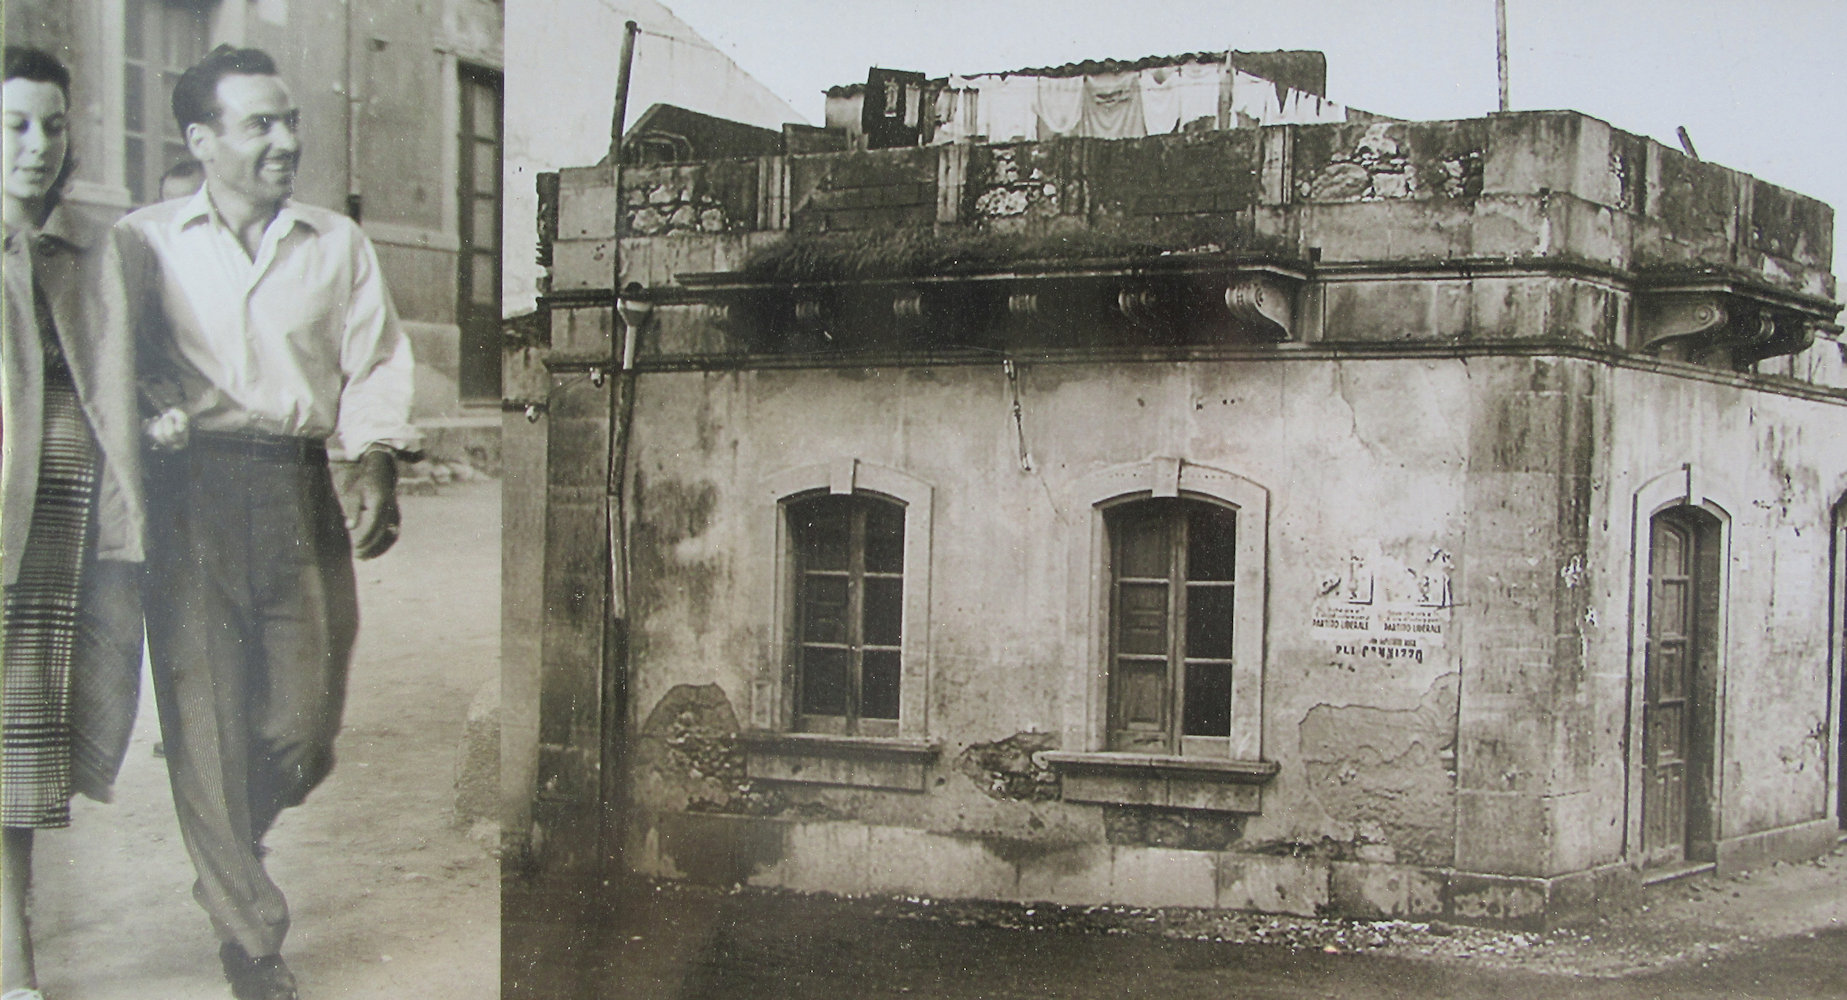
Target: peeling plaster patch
{"points": [[688, 759], [1388, 774], [1186, 830], [1620, 174], [1573, 572], [1007, 770], [1377, 169], [1813, 748], [1462, 175], [1015, 189], [674, 208]]}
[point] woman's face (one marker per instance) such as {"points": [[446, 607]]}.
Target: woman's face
{"points": [[35, 139]]}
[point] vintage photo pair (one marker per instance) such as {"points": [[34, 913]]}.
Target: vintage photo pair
{"points": [[1144, 482]]}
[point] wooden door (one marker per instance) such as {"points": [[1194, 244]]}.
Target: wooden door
{"points": [[1668, 704]]}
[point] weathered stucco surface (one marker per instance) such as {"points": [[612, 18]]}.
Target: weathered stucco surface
{"points": [[1453, 435]]}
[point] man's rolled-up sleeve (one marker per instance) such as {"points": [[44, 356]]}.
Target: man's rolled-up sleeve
{"points": [[375, 358]]}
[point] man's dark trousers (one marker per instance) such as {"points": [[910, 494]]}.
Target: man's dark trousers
{"points": [[251, 613]]}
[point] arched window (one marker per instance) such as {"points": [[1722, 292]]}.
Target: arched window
{"points": [[1173, 595], [848, 637]]}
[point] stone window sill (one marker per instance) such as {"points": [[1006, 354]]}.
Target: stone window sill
{"points": [[1205, 783], [824, 759]]}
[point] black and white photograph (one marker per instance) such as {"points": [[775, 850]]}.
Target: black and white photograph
{"points": [[251, 411], [683, 499]]}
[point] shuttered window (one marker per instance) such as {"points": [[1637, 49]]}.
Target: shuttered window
{"points": [[1172, 600], [849, 630]]}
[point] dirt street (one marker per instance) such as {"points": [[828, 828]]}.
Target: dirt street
{"points": [[1777, 933], [390, 899]]}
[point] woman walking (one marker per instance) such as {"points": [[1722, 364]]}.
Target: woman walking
{"points": [[70, 485]]}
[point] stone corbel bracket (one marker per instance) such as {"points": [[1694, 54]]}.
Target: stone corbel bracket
{"points": [[1264, 301], [1725, 323]]}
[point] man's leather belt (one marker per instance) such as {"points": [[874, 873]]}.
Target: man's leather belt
{"points": [[264, 448]]}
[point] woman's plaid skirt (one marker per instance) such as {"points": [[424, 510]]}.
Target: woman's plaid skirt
{"points": [[42, 622]]}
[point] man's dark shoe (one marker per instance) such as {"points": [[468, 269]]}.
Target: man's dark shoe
{"points": [[264, 978]]}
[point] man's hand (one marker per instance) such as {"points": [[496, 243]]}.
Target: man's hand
{"points": [[374, 521], [168, 432]]}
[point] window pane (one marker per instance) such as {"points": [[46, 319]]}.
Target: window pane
{"points": [[485, 178], [1211, 543], [134, 99], [884, 611], [1670, 617], [1142, 627], [824, 609], [134, 165], [878, 692], [821, 531], [884, 537], [183, 33], [1208, 699], [1142, 543], [485, 234], [486, 110], [824, 681], [173, 154], [1208, 622], [1141, 690], [133, 27], [484, 288]]}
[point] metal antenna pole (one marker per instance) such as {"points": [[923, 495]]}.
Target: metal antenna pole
{"points": [[1500, 46]]}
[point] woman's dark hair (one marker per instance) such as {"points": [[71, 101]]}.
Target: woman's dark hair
{"points": [[39, 66]]}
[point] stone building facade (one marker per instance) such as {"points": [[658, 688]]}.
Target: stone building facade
{"points": [[1394, 519]]}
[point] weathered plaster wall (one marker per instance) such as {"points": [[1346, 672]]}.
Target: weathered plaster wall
{"points": [[1777, 466], [1360, 456], [1485, 768]]}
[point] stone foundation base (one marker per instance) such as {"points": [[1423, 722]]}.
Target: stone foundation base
{"points": [[1791, 843], [860, 859]]}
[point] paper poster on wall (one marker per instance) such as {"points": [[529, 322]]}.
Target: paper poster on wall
{"points": [[1383, 607]]}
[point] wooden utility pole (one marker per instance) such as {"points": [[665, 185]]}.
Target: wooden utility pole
{"points": [[614, 708]]}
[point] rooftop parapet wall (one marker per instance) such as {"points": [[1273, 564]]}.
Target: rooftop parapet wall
{"points": [[1610, 238]]}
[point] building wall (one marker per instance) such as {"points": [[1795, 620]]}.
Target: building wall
{"points": [[1378, 768], [1467, 399], [376, 83]]}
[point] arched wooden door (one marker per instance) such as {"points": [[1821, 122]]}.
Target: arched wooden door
{"points": [[1668, 688]]}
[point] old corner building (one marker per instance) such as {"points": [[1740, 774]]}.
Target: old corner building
{"points": [[1299, 513]]}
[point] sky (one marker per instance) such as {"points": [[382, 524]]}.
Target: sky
{"points": [[1760, 86]]}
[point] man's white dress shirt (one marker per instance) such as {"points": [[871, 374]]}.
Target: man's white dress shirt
{"points": [[301, 341]]}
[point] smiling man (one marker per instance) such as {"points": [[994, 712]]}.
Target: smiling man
{"points": [[267, 325]]}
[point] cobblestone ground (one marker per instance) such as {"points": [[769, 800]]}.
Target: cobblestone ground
{"points": [[391, 899], [1778, 932]]}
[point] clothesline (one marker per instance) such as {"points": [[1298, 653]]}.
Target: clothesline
{"points": [[1003, 107]]}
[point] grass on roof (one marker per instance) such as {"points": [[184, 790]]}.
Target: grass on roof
{"points": [[913, 253]]}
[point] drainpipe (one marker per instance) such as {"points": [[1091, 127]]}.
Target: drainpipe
{"points": [[353, 198], [614, 709]]}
